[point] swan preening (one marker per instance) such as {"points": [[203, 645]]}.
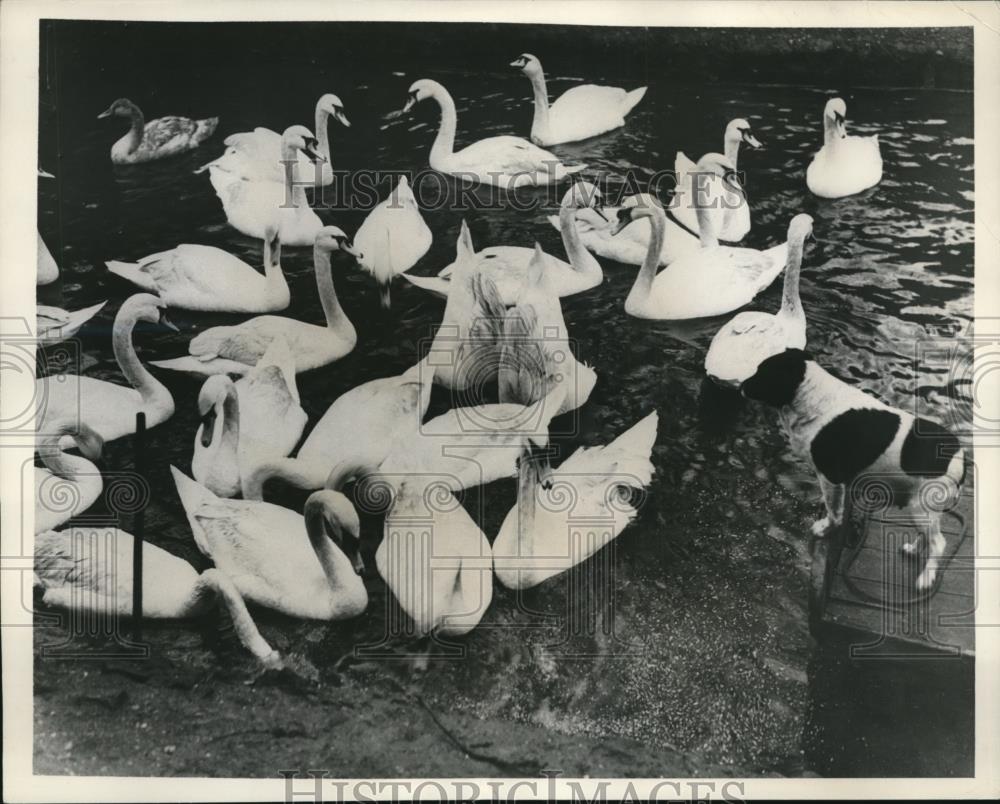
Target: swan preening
{"points": [[579, 113], [261, 156], [709, 281], [508, 266], [392, 238], [255, 207], [844, 165], [69, 484], [504, 161], [235, 349], [156, 139], [107, 407], [91, 571], [206, 278], [751, 337]]}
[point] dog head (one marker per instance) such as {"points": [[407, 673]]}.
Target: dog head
{"points": [[777, 378]]}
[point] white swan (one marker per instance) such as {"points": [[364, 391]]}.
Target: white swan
{"points": [[53, 324], [276, 557], [156, 139], [248, 422], [741, 345], [205, 278], [235, 349], [504, 161], [535, 354], [393, 237], [844, 165], [544, 533], [711, 281], [69, 484], [726, 205], [79, 571], [579, 113], [48, 269], [360, 428], [507, 266], [261, 149], [107, 407], [254, 207]]}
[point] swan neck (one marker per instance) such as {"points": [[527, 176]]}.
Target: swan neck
{"points": [[336, 570], [322, 131], [272, 264], [138, 128], [335, 316], [293, 471], [128, 361], [57, 461], [345, 470], [731, 148], [213, 583], [706, 229], [230, 438], [444, 143], [791, 304], [647, 273], [540, 124], [831, 132], [293, 189], [580, 258]]}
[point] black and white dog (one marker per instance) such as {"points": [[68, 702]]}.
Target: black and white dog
{"points": [[847, 433]]}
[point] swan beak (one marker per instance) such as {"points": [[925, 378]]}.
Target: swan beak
{"points": [[105, 113], [751, 140], [517, 63], [342, 118], [44, 174], [348, 247], [207, 165], [168, 323], [409, 105], [310, 150], [601, 215], [839, 118], [624, 219]]}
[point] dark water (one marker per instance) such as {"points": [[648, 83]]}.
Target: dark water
{"points": [[691, 630]]}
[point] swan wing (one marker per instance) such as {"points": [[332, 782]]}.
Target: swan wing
{"points": [[506, 154]]}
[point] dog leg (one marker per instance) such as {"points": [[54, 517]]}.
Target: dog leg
{"points": [[937, 543], [833, 497]]}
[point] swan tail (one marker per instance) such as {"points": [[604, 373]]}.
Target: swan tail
{"points": [[385, 294], [279, 355], [202, 368], [631, 451], [632, 99], [77, 318], [432, 284], [489, 324], [193, 495], [132, 272]]}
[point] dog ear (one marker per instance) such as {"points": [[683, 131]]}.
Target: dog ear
{"points": [[777, 378]]}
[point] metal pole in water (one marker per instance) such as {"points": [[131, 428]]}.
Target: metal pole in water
{"points": [[138, 528]]}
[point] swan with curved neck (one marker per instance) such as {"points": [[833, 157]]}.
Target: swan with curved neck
{"points": [[845, 165], [712, 280], [504, 161], [235, 349], [107, 407], [276, 557], [253, 421], [205, 278], [579, 113], [156, 139], [727, 206], [508, 266], [254, 207], [261, 149], [77, 573], [740, 346], [72, 477]]}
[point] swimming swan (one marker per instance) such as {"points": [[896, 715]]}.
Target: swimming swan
{"points": [[156, 139], [541, 536], [503, 161], [235, 349], [194, 277], [255, 207], [69, 484], [361, 428], [535, 354], [579, 113], [507, 266], [713, 280], [80, 572], [261, 149], [728, 208], [257, 419], [393, 237], [844, 165], [53, 324], [107, 407], [751, 337], [278, 558]]}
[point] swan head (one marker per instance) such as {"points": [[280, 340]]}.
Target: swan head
{"points": [[145, 307], [739, 130], [800, 227], [332, 514], [302, 139], [582, 195], [835, 110], [420, 90], [333, 238], [211, 398], [634, 207], [721, 166], [122, 107], [528, 64], [331, 104]]}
